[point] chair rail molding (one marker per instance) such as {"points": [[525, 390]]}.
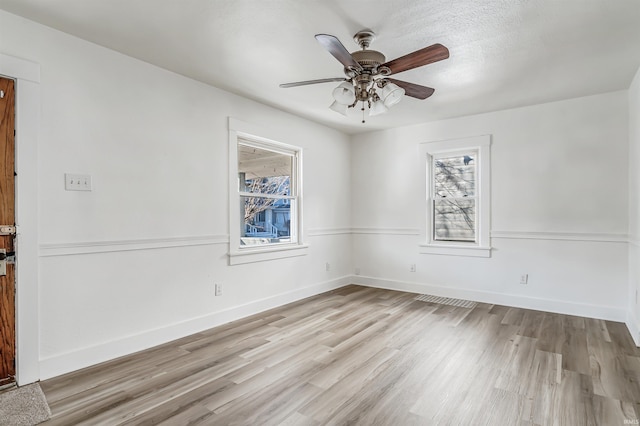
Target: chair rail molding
{"points": [[88, 247], [318, 232], [566, 236], [386, 231]]}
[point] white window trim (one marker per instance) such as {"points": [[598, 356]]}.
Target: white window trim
{"points": [[482, 247], [242, 254]]}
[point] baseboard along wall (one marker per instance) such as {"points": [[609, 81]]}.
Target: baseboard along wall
{"points": [[75, 360], [85, 357], [548, 305]]}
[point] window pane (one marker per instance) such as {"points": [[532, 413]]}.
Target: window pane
{"points": [[274, 185], [454, 219], [264, 172], [266, 220], [455, 176]]}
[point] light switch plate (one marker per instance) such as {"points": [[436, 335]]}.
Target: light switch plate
{"points": [[76, 182]]}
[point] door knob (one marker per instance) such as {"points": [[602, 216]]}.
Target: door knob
{"points": [[4, 259]]}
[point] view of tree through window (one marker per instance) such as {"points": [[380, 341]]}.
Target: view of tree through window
{"points": [[267, 195], [277, 185], [454, 197]]}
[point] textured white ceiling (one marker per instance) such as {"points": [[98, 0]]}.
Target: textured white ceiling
{"points": [[504, 53]]}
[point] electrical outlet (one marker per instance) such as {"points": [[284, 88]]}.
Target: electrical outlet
{"points": [[524, 279], [218, 289], [327, 267], [412, 267], [75, 182]]}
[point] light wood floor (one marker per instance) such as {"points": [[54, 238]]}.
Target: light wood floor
{"points": [[372, 357]]}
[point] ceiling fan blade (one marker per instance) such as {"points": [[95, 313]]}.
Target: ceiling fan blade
{"points": [[424, 56], [306, 83], [333, 45], [414, 90]]}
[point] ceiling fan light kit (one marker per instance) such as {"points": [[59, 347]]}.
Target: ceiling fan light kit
{"points": [[367, 74], [339, 108], [391, 94], [344, 94], [377, 107]]}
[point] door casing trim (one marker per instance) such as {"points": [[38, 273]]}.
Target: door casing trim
{"points": [[27, 77]]}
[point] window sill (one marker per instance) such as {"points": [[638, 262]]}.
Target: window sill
{"points": [[455, 250], [251, 255]]}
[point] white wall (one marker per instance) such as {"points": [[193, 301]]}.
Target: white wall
{"points": [[633, 319], [558, 208], [132, 263]]}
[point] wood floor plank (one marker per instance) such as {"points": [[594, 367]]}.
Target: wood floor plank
{"points": [[552, 337], [333, 397], [575, 355], [193, 415], [453, 379], [184, 409], [274, 405], [502, 408], [620, 336], [108, 374], [532, 324], [610, 379], [297, 419], [368, 356], [517, 360]]}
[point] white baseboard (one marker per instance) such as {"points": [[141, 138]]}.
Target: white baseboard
{"points": [[610, 313], [85, 357], [632, 325]]}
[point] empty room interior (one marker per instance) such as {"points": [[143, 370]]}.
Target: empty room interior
{"points": [[308, 213]]}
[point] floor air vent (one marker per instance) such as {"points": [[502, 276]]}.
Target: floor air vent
{"points": [[446, 301]]}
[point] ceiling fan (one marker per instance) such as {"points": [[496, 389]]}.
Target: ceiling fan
{"points": [[367, 74]]}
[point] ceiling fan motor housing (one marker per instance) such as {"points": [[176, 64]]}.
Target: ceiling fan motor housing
{"points": [[368, 58], [370, 61]]}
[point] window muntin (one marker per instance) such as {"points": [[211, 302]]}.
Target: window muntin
{"points": [[454, 197], [268, 190]]}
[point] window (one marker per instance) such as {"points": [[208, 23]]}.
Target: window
{"points": [[454, 200], [265, 196], [268, 194], [457, 196]]}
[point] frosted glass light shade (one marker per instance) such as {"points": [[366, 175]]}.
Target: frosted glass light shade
{"points": [[344, 94], [339, 108], [377, 107], [391, 94]]}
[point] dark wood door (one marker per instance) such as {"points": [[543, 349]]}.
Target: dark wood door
{"points": [[7, 217]]}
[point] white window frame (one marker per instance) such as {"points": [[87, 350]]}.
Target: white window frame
{"points": [[438, 149], [243, 133]]}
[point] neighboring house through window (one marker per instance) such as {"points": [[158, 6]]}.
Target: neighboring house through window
{"points": [[457, 194]]}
